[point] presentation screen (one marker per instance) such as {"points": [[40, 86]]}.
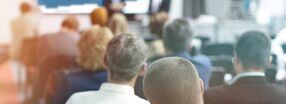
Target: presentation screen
{"points": [[69, 6], [136, 6], [86, 6]]}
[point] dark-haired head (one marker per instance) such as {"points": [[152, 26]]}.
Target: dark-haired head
{"points": [[252, 51]]}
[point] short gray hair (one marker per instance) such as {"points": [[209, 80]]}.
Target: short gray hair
{"points": [[177, 35], [172, 80], [126, 54]]}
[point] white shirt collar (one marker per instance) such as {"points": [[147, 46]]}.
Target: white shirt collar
{"points": [[117, 88], [245, 74]]}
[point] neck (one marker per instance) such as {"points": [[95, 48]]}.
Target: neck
{"points": [[245, 70], [129, 83], [66, 30]]}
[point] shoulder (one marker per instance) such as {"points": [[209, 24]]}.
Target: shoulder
{"points": [[202, 60], [215, 94], [278, 90], [141, 101], [80, 97]]}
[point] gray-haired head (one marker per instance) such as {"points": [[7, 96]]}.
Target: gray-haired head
{"points": [[177, 35], [173, 80], [126, 55]]}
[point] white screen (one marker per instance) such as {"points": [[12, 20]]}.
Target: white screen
{"points": [[136, 6]]}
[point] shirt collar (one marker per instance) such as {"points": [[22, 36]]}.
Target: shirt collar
{"points": [[246, 74], [117, 88]]}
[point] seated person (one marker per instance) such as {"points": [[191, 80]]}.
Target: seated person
{"points": [[90, 71], [177, 41], [156, 26], [56, 51], [173, 80], [99, 16], [251, 56], [118, 24], [126, 60]]}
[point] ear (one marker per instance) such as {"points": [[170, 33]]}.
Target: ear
{"points": [[142, 70], [202, 86]]}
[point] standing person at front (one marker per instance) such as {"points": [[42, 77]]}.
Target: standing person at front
{"points": [[125, 58], [251, 57]]}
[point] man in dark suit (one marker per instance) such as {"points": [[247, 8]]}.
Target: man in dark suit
{"points": [[251, 57], [56, 51]]}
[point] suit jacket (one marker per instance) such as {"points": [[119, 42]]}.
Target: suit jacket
{"points": [[246, 90]]}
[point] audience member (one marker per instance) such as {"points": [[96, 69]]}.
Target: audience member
{"points": [[251, 57], [173, 80], [125, 58], [156, 26], [118, 24], [56, 51], [90, 71], [177, 41], [99, 16]]}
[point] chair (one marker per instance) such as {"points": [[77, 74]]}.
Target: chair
{"points": [[219, 49], [70, 81], [284, 48], [217, 77]]}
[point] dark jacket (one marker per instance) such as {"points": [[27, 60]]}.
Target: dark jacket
{"points": [[246, 90]]}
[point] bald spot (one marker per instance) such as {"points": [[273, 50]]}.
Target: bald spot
{"points": [[172, 80]]}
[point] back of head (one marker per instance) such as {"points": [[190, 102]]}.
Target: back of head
{"points": [[173, 80], [25, 7], [253, 49], [70, 22], [99, 16], [118, 24], [177, 35], [125, 56], [157, 22], [92, 47]]}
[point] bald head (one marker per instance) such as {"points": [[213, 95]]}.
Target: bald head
{"points": [[173, 80]]}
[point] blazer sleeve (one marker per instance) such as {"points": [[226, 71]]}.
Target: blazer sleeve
{"points": [[165, 6]]}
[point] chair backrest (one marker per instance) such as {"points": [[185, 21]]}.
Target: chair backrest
{"points": [[71, 81], [284, 48], [217, 77], [270, 74], [219, 49]]}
